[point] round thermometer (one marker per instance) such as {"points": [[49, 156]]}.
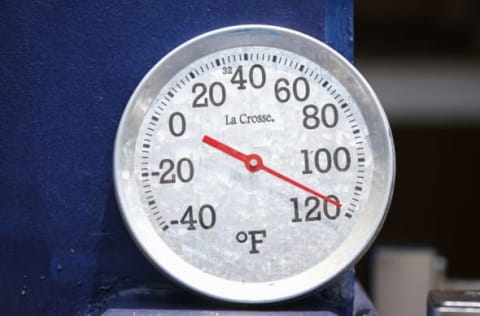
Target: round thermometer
{"points": [[253, 164]]}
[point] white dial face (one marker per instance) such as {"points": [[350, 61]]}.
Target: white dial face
{"points": [[253, 164], [243, 225]]}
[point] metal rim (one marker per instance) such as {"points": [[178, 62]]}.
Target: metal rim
{"points": [[363, 232]]}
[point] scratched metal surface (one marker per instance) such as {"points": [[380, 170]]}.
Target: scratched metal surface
{"points": [[67, 70]]}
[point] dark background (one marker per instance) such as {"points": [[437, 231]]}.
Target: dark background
{"points": [[436, 199]]}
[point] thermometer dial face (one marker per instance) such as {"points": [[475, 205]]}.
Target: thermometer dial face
{"points": [[253, 164]]}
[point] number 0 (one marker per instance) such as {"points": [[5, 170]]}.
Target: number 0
{"points": [[177, 129]]}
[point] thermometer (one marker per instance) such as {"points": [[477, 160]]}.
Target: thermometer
{"points": [[253, 164]]}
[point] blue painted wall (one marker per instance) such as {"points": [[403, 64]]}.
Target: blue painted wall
{"points": [[67, 69]]}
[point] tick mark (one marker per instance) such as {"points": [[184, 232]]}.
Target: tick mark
{"points": [[192, 75], [344, 105], [274, 58], [155, 173], [151, 202], [174, 222], [170, 94], [325, 84], [154, 118], [217, 62], [146, 146]]}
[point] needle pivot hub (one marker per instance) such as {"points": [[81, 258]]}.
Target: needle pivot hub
{"points": [[253, 162]]}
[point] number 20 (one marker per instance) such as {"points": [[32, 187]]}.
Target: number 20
{"points": [[216, 94]]}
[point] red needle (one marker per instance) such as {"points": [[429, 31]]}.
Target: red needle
{"points": [[254, 163]]}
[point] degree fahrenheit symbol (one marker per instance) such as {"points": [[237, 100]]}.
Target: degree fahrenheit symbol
{"points": [[254, 163], [256, 237]]}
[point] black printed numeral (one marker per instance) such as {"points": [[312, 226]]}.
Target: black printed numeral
{"points": [[312, 210], [214, 94], [256, 77], [184, 170], [206, 217], [314, 118], [299, 88], [324, 160]]}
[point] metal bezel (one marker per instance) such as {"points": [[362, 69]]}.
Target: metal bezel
{"points": [[368, 222]]}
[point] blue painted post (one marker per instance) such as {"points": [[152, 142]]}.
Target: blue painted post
{"points": [[67, 70]]}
